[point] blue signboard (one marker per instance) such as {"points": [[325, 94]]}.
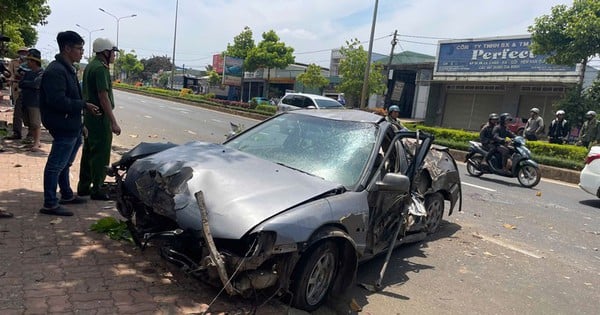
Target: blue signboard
{"points": [[501, 55]]}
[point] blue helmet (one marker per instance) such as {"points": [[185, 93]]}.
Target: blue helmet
{"points": [[394, 108]]}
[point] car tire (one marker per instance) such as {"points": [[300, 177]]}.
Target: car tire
{"points": [[314, 276], [434, 205]]}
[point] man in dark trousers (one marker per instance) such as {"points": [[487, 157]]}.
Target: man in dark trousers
{"points": [[61, 107], [97, 89]]}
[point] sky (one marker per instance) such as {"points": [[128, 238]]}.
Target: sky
{"points": [[311, 27]]}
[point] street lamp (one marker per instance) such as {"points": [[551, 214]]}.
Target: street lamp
{"points": [[89, 38], [118, 19], [174, 41]]}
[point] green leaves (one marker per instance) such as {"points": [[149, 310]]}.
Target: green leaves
{"points": [[115, 229], [313, 78], [569, 34], [352, 73]]}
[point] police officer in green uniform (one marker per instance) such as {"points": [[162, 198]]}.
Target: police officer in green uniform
{"points": [[97, 89]]}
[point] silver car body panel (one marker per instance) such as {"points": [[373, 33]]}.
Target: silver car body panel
{"points": [[240, 189]]}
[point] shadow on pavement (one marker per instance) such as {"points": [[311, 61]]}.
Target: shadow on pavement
{"points": [[398, 271], [591, 202], [56, 264]]}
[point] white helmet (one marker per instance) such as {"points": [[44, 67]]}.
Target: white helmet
{"points": [[102, 44], [535, 110], [560, 112]]}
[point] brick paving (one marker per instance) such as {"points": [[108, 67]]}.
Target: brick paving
{"points": [[56, 265]]}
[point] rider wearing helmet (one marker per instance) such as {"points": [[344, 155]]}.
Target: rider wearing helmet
{"points": [[558, 131], [588, 133], [500, 133], [486, 137], [392, 118], [535, 125]]}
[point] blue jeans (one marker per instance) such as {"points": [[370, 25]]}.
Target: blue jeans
{"points": [[56, 172]]}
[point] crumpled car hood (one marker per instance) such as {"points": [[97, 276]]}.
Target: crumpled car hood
{"points": [[240, 190]]}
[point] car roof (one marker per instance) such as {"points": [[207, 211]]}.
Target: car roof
{"points": [[315, 96], [341, 114]]}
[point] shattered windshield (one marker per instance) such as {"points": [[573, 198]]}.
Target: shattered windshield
{"points": [[334, 150]]}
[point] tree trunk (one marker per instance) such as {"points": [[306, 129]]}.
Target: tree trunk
{"points": [[582, 74]]}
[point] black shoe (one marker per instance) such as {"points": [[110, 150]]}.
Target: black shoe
{"points": [[13, 137], [59, 211], [5, 214], [100, 196], [73, 201], [83, 193]]}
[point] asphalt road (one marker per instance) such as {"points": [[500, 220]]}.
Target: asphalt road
{"points": [[511, 250]]}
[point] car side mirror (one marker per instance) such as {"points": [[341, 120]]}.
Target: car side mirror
{"points": [[311, 107], [394, 182]]}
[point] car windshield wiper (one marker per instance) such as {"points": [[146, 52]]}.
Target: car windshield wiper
{"points": [[299, 170]]}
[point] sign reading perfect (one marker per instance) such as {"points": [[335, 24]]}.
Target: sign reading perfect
{"points": [[502, 55]]}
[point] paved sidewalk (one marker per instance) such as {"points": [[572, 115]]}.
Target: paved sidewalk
{"points": [[56, 265]]}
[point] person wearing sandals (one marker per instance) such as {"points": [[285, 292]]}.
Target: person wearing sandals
{"points": [[30, 95], [61, 107]]}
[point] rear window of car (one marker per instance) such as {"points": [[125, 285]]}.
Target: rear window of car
{"points": [[325, 103]]}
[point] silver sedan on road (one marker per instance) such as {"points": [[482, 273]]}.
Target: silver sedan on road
{"points": [[290, 205]]}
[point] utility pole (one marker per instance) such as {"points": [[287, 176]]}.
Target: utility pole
{"points": [[363, 95], [388, 97]]}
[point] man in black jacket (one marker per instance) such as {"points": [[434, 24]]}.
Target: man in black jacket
{"points": [[500, 133], [61, 107]]}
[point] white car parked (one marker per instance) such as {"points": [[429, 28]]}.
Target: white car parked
{"points": [[589, 179], [293, 101]]}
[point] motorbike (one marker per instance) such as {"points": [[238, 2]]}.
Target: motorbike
{"points": [[523, 167]]}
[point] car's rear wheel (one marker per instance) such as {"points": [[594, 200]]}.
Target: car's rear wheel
{"points": [[434, 206], [473, 165], [314, 276]]}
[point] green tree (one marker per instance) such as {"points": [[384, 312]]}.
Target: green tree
{"points": [[575, 105], [154, 65], [128, 63], [352, 73], [242, 44], [270, 53], [17, 18], [313, 78], [214, 79], [569, 35]]}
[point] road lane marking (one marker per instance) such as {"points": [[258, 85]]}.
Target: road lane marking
{"points": [[480, 187], [509, 246]]}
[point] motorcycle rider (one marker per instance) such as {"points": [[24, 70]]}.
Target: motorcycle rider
{"points": [[559, 128], [392, 118], [486, 136], [500, 133]]}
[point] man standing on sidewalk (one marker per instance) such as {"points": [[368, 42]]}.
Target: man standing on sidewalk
{"points": [[61, 106], [16, 72], [97, 89]]}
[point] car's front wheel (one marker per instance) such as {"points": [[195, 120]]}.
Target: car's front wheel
{"points": [[314, 276], [434, 205]]}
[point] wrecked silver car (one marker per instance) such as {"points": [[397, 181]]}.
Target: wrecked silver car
{"points": [[291, 205]]}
